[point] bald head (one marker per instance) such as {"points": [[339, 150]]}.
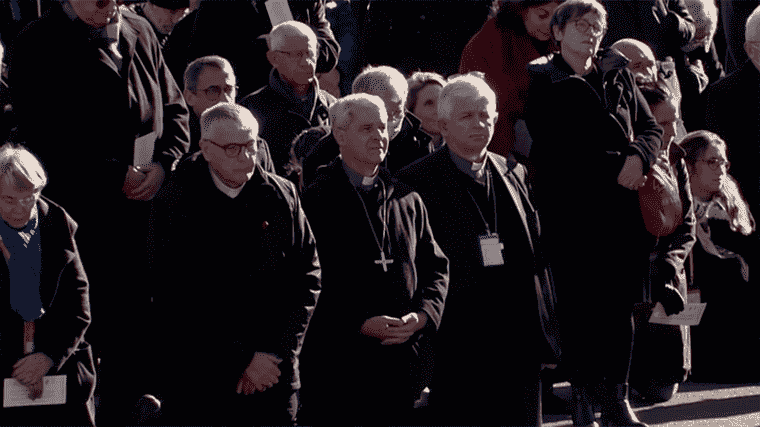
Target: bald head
{"points": [[642, 61]]}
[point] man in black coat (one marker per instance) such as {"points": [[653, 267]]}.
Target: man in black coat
{"points": [[234, 260], [385, 275], [236, 30], [292, 101], [408, 142], [484, 220], [96, 102]]}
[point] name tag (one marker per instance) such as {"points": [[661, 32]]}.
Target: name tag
{"points": [[491, 248]]}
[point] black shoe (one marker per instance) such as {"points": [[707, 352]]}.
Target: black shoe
{"points": [[616, 410], [580, 406]]}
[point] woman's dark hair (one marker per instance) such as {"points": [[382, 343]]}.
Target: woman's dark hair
{"points": [[417, 82], [509, 13]]}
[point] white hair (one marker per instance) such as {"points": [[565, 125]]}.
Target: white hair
{"points": [[228, 111], [21, 169], [343, 111], [706, 8], [277, 37], [379, 79], [464, 86], [752, 29]]}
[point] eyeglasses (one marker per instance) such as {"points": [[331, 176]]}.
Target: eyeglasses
{"points": [[216, 90], [717, 163], [300, 54], [234, 150], [582, 26], [26, 202]]}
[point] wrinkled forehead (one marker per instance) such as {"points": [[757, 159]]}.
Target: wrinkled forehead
{"points": [[230, 132], [298, 41]]}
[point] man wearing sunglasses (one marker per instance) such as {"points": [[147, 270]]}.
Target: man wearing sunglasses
{"points": [[237, 276]]}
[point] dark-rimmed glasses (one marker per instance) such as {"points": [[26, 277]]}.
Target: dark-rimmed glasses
{"points": [[216, 90], [582, 26], [234, 150], [300, 54]]}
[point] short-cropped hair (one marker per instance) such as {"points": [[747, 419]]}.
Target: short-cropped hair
{"points": [[276, 37], [195, 68], [574, 9], [377, 79], [752, 28], [228, 111], [343, 111], [463, 86], [417, 82], [21, 169]]}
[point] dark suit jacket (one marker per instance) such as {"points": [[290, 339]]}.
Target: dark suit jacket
{"points": [[81, 116], [474, 290], [59, 333], [245, 270]]}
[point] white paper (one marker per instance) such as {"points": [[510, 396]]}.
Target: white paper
{"points": [[144, 147], [53, 392], [278, 11], [690, 316]]}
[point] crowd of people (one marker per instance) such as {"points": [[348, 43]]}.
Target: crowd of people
{"points": [[292, 212]]}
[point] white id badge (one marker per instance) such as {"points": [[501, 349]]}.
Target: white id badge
{"points": [[491, 248]]}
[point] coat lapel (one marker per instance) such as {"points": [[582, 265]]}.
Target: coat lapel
{"points": [[514, 189]]}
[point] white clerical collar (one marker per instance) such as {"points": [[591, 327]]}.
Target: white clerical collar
{"points": [[224, 188]]}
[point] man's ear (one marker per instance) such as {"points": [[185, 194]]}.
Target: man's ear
{"points": [[443, 127], [495, 117], [272, 58], [190, 97], [340, 136], [557, 33], [205, 147], [750, 52]]}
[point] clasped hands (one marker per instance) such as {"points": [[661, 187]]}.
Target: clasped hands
{"points": [[392, 330], [262, 373], [632, 174], [143, 182], [29, 372]]}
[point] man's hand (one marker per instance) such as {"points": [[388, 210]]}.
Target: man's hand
{"points": [[143, 182], [632, 175], [29, 372], [260, 375], [671, 300], [378, 326], [413, 322]]}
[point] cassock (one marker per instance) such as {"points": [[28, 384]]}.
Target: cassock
{"points": [[350, 377], [500, 324], [233, 276]]}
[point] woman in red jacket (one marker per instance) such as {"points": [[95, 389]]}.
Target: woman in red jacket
{"points": [[516, 33]]}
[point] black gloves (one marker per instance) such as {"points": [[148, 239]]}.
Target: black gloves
{"points": [[671, 300]]}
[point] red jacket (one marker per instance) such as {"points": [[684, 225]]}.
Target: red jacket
{"points": [[502, 54]]}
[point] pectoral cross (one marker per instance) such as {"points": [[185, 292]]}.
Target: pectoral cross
{"points": [[384, 261]]}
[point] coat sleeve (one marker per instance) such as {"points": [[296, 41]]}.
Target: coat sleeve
{"points": [[175, 138], [648, 134], [433, 268], [678, 23], [60, 330], [672, 250]]}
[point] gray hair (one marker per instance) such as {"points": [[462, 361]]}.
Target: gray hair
{"points": [[343, 111], [222, 111], [379, 79], [280, 32], [195, 68], [463, 86], [21, 169], [752, 28]]}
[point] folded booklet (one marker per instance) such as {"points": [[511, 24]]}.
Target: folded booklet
{"points": [[690, 316], [53, 392]]}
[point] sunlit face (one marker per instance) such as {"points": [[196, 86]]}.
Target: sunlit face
{"points": [[365, 141], [537, 20], [710, 170], [705, 26], [666, 114], [471, 126], [394, 107], [234, 171], [95, 13], [426, 108], [581, 36], [296, 59], [642, 62], [17, 206], [214, 85]]}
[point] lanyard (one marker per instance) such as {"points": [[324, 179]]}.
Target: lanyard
{"points": [[491, 195]]}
